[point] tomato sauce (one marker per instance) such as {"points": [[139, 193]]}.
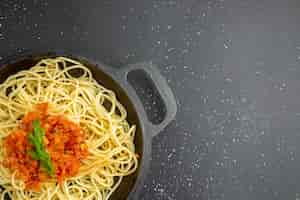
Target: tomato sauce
{"points": [[64, 141]]}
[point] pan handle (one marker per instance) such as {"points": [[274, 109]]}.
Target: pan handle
{"points": [[160, 84]]}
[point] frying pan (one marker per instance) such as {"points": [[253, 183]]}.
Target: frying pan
{"points": [[118, 80]]}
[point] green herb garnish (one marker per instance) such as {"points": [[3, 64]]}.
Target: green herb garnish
{"points": [[39, 153]]}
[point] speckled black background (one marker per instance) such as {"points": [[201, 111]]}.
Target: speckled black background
{"points": [[234, 67]]}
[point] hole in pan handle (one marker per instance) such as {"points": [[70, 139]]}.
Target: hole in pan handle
{"points": [[159, 84]]}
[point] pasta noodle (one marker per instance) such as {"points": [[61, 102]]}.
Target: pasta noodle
{"points": [[68, 86]]}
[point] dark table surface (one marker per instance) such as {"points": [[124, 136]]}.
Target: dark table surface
{"points": [[234, 67]]}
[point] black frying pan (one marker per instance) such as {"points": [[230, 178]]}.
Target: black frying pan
{"points": [[119, 81]]}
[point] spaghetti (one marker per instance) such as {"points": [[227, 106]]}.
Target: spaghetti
{"points": [[70, 90]]}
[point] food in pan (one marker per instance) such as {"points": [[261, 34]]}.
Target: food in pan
{"points": [[62, 134]]}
